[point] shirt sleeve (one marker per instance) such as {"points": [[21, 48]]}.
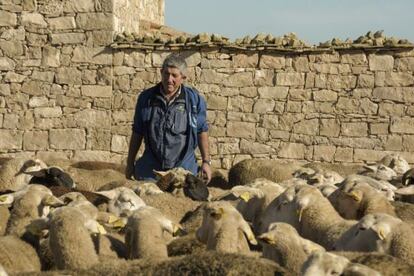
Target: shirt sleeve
{"points": [[138, 124], [202, 125]]}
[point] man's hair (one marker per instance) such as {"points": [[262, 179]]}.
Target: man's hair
{"points": [[176, 61]]}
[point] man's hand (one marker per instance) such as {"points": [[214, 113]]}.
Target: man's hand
{"points": [[129, 171], [206, 172]]}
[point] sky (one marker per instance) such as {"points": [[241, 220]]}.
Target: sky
{"points": [[313, 21]]}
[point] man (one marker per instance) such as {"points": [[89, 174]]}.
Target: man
{"points": [[171, 119]]}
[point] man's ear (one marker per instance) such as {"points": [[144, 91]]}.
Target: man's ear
{"points": [[184, 76]]}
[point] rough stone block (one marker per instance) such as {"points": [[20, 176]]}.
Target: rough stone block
{"points": [[96, 91], [38, 102], [388, 93], [354, 129], [46, 76], [308, 127], [354, 58], [48, 112], [35, 88], [292, 150], [324, 153], [262, 106], [344, 154], [405, 64], [6, 64], [4, 89], [276, 92], [119, 144], [12, 48], [95, 21], [366, 81], [301, 64], [96, 55], [402, 125], [249, 60], [62, 23], [408, 142], [247, 147], [241, 130], [290, 79], [379, 128], [75, 6], [7, 19], [11, 139], [325, 96], [367, 155], [135, 59], [35, 140], [396, 79], [391, 109], [381, 63], [241, 79], [338, 82], [100, 38], [14, 77], [215, 102], [67, 139], [33, 20], [272, 62], [67, 38], [90, 118], [240, 103], [51, 57], [68, 75]]}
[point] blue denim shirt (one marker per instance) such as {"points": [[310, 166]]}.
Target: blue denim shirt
{"points": [[170, 131]]}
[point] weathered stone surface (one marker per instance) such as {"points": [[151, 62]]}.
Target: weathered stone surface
{"points": [[263, 106], [331, 68], [6, 64], [14, 34], [381, 63], [241, 79], [389, 93], [68, 75], [391, 109], [35, 88], [402, 125], [249, 60], [301, 64], [338, 82], [4, 89], [292, 150], [96, 91], [12, 48], [290, 79], [272, 62], [247, 147], [11, 121], [397, 79], [43, 76], [379, 128], [324, 153], [92, 55], [33, 19], [308, 127], [216, 102], [325, 96], [366, 81], [48, 112], [94, 21], [35, 140], [14, 77], [90, 118], [344, 155], [38, 102], [53, 8], [119, 143], [67, 139], [354, 59], [67, 38], [11, 139], [367, 155], [239, 103], [29, 5], [51, 57], [354, 129], [241, 130], [405, 64], [135, 59], [62, 23], [74, 6], [8, 19], [100, 37], [273, 92], [360, 106]]}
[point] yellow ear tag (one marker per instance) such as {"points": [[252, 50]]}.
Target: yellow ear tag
{"points": [[381, 234], [101, 229], [245, 196], [354, 196], [112, 219], [3, 198], [119, 223]]}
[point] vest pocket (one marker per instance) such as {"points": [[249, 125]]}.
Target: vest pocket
{"points": [[180, 122]]}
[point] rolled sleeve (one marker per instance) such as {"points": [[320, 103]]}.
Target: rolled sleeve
{"points": [[202, 125]]}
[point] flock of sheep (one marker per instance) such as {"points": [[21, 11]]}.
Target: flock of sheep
{"points": [[270, 218]]}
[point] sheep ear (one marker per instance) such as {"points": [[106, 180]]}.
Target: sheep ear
{"points": [[6, 199], [266, 238], [53, 201], [249, 234], [370, 168], [111, 194], [409, 190], [160, 174]]}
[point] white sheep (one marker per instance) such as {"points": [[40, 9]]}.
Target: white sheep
{"points": [[379, 172], [17, 256], [223, 229], [382, 186], [318, 220], [325, 263], [13, 173], [395, 162], [144, 233], [4, 218], [381, 233], [147, 188], [70, 240], [122, 200], [283, 245]]}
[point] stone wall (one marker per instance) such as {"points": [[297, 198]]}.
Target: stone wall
{"points": [[66, 89]]}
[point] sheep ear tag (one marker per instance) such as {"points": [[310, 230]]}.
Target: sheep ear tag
{"points": [[245, 196], [101, 229], [354, 196]]}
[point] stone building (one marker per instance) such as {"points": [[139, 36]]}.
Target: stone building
{"points": [[68, 88]]}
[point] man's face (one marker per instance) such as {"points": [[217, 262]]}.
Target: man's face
{"points": [[171, 79]]}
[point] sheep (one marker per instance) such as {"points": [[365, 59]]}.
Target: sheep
{"points": [[341, 168], [34, 203], [13, 173], [325, 263], [69, 239], [121, 200], [353, 200], [408, 178], [382, 233], [185, 245], [52, 176], [283, 245], [379, 172], [144, 233], [395, 162], [4, 218], [223, 229], [248, 170], [17, 256], [147, 188], [317, 177], [171, 180], [404, 211], [3, 271], [383, 186], [318, 220]]}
